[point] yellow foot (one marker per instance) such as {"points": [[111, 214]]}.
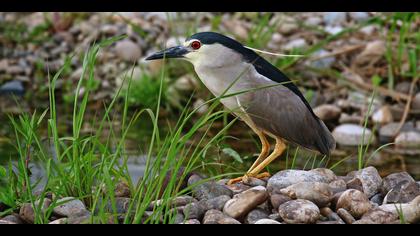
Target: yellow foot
{"points": [[246, 176]]}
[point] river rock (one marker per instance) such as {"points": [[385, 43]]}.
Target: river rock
{"points": [[393, 180], [383, 115], [122, 205], [27, 212], [327, 173], [411, 211], [402, 193], [352, 135], [370, 179], [327, 112], [14, 218], [415, 105], [355, 202], [345, 216], [122, 189], [410, 139], [331, 215], [176, 202], [267, 222], [377, 199], [69, 206], [13, 87], [378, 216], [61, 221], [217, 217], [286, 178], [253, 182], [334, 18], [255, 215], [299, 211], [324, 63], [389, 131], [207, 190], [295, 44], [318, 193], [194, 210], [216, 203], [238, 187], [338, 185], [127, 50], [241, 204], [278, 199], [359, 16], [191, 222], [372, 53]]}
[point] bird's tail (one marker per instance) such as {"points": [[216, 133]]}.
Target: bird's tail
{"points": [[325, 141]]}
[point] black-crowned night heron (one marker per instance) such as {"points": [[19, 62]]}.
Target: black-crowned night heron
{"points": [[272, 105]]}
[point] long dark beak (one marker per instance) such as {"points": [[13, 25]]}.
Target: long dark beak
{"points": [[173, 52]]}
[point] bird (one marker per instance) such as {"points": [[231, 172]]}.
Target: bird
{"points": [[262, 96]]}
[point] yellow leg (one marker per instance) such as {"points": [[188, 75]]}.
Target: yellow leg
{"points": [[264, 150], [278, 150], [255, 172]]}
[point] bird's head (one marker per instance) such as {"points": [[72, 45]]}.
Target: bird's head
{"points": [[205, 48]]}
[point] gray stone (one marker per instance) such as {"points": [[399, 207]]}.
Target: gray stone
{"points": [[128, 50], [370, 179], [13, 87], [415, 105], [345, 216], [410, 139], [377, 199], [5, 222], [286, 178], [389, 131], [403, 192], [238, 188], [393, 180], [295, 44], [191, 222], [207, 190], [122, 190], [194, 210], [338, 185], [14, 218], [216, 203], [299, 212], [176, 202], [324, 63], [327, 112], [411, 211], [378, 216], [318, 193], [359, 16], [253, 182], [60, 221], [121, 203], [332, 216], [241, 204], [278, 199], [355, 202], [352, 135], [267, 222], [334, 18], [383, 115], [217, 217], [69, 206], [255, 215], [27, 212]]}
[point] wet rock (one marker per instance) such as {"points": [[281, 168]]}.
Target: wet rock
{"points": [[352, 135], [69, 206], [295, 44], [286, 178], [389, 131], [191, 222], [370, 179], [127, 50], [255, 215], [338, 185], [402, 193], [253, 182], [355, 202], [267, 222], [359, 16], [318, 193], [207, 190], [241, 204], [383, 115], [299, 212], [14, 218], [176, 202], [327, 112], [334, 18], [411, 211], [377, 199], [345, 216], [194, 210], [216, 203], [122, 190], [217, 217], [61, 221], [373, 52], [27, 212], [332, 216], [409, 139], [14, 87], [238, 187], [378, 216], [393, 180], [278, 199]]}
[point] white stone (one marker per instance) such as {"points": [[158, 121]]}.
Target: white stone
{"points": [[352, 135]]}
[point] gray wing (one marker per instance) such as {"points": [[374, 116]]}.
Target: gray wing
{"points": [[279, 111]]}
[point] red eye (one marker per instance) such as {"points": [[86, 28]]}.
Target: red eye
{"points": [[196, 45]]}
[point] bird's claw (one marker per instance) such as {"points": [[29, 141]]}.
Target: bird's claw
{"points": [[246, 177]]}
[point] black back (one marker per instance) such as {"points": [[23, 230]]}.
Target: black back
{"points": [[262, 66]]}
